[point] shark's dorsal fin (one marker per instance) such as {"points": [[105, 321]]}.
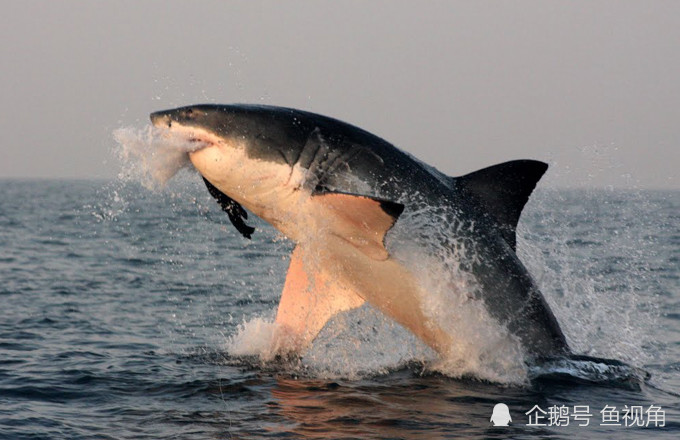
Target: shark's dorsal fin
{"points": [[361, 220], [236, 213], [503, 190]]}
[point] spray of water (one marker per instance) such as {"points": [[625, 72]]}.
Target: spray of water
{"points": [[593, 273], [428, 241], [153, 155]]}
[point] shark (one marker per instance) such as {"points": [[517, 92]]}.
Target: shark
{"points": [[337, 191]]}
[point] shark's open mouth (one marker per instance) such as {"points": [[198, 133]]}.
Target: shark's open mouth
{"points": [[188, 138], [191, 139]]}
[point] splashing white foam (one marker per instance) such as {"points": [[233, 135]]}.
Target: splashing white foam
{"points": [[253, 338], [481, 347], [153, 155], [592, 278], [363, 342], [353, 344]]}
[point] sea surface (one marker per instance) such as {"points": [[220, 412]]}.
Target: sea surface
{"points": [[129, 313]]}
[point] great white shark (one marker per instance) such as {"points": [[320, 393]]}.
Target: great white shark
{"points": [[337, 190]]}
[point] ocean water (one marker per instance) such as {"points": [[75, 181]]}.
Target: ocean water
{"points": [[129, 313]]}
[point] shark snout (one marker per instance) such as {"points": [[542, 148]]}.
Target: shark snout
{"points": [[161, 119], [188, 116]]}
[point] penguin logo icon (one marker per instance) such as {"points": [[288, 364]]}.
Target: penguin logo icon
{"points": [[501, 415]]}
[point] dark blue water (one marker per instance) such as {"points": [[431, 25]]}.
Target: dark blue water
{"points": [[118, 305]]}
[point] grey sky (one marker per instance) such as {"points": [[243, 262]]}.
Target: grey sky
{"points": [[592, 86]]}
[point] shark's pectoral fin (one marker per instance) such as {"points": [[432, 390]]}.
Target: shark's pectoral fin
{"points": [[503, 190], [311, 296], [361, 220]]}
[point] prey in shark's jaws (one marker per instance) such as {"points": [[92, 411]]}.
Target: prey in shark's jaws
{"points": [[337, 191]]}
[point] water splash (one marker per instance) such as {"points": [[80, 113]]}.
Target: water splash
{"points": [[363, 342], [253, 338], [591, 266], [354, 344], [153, 155], [428, 241]]}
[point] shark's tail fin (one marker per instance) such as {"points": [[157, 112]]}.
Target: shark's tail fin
{"points": [[588, 369]]}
